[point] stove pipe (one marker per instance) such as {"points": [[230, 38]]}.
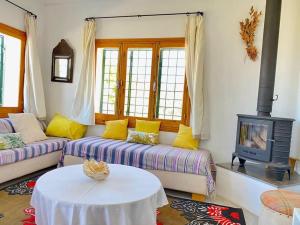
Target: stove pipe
{"points": [[268, 58]]}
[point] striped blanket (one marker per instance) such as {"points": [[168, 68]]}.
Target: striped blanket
{"points": [[158, 157], [32, 150], [6, 126]]}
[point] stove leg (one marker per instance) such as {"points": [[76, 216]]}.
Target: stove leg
{"points": [[242, 162]]}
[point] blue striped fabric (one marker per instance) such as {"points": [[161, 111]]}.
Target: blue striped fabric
{"points": [[32, 150], [158, 157], [6, 126]]}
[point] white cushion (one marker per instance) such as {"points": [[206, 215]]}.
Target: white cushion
{"points": [[28, 126]]}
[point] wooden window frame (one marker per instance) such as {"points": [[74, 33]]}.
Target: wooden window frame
{"points": [[21, 35], [156, 44]]}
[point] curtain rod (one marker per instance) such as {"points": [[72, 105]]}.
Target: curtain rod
{"points": [[22, 8], [144, 15]]}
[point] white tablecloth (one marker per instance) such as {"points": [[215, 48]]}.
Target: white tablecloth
{"points": [[129, 196]]}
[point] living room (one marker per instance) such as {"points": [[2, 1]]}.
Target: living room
{"points": [[226, 83]]}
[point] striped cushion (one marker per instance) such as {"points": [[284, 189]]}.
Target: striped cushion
{"points": [[281, 201], [32, 150], [6, 126]]}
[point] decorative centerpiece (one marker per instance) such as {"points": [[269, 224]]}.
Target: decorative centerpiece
{"points": [[95, 170]]}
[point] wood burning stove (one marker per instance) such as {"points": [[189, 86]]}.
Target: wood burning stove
{"points": [[263, 138]]}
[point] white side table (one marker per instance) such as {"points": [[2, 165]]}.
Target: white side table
{"points": [[296, 217]]}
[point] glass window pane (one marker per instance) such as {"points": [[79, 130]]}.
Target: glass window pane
{"points": [[106, 80], [170, 83], [10, 63], [138, 77]]}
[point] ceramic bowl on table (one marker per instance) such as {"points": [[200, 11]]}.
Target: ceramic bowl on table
{"points": [[95, 170]]}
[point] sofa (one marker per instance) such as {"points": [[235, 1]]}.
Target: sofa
{"points": [[18, 162], [191, 171], [180, 169]]}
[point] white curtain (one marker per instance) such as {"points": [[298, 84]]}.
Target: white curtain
{"points": [[83, 107], [34, 97], [194, 39]]}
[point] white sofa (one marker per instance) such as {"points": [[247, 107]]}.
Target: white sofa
{"points": [[179, 169], [18, 162]]}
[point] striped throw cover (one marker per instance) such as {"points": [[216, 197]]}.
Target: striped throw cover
{"points": [[32, 150], [158, 157], [6, 126]]}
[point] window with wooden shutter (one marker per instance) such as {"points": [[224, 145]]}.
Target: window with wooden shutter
{"points": [[142, 79], [12, 57]]}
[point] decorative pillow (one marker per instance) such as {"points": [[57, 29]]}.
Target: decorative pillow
{"points": [[61, 126], [28, 126], [185, 139], [147, 126], [142, 138], [116, 129], [11, 140]]}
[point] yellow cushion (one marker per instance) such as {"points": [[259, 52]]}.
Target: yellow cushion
{"points": [[116, 129], [61, 126], [147, 126], [184, 138]]}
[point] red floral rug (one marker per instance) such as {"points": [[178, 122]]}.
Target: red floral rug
{"points": [[179, 212], [200, 213], [30, 220]]}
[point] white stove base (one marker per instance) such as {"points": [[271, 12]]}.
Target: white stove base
{"points": [[243, 190]]}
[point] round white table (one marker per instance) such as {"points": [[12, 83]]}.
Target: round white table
{"points": [[129, 196]]}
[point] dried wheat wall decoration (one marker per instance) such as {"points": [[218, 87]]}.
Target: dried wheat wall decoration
{"points": [[248, 28]]}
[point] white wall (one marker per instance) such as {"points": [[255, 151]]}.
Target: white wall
{"points": [[12, 16], [232, 79]]}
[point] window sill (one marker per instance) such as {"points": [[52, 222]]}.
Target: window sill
{"points": [[4, 111]]}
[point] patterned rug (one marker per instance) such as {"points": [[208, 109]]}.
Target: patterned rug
{"points": [[15, 209]]}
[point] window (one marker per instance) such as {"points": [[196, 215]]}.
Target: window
{"points": [[12, 50], [142, 78], [171, 78], [107, 80], [138, 77]]}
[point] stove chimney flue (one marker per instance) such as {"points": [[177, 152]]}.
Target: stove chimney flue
{"points": [[269, 58]]}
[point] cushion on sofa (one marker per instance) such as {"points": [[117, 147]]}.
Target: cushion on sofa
{"points": [[28, 126], [6, 126], [11, 140], [32, 150], [142, 138], [147, 126], [116, 129], [61, 126], [185, 139]]}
